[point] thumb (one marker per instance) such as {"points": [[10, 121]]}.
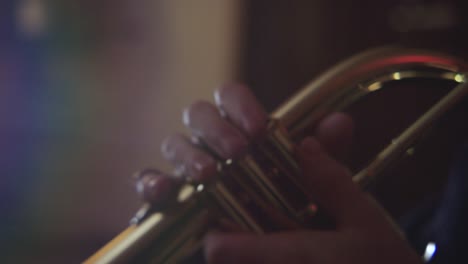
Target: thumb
{"points": [[290, 247], [335, 134], [330, 184]]}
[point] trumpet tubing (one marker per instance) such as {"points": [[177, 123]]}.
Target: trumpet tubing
{"points": [[267, 177]]}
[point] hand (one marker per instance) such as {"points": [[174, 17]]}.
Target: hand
{"points": [[248, 121], [364, 234]]}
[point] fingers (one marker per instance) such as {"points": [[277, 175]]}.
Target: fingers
{"points": [[245, 119], [331, 184], [154, 186], [205, 122], [335, 133], [227, 136], [242, 109], [188, 160]]}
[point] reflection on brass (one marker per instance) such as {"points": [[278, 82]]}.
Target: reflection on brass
{"points": [[267, 177]]}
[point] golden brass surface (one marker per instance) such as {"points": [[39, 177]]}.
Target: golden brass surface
{"points": [[267, 176]]}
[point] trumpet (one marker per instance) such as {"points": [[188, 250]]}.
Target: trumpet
{"points": [[267, 176]]}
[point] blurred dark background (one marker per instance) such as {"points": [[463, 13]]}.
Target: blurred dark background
{"points": [[286, 45], [88, 89]]}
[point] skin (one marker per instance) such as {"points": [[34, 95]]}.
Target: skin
{"points": [[363, 233]]}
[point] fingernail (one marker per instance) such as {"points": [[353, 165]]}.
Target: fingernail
{"points": [[154, 186], [143, 179]]}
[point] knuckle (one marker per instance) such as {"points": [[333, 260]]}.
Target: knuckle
{"points": [[256, 126], [199, 107], [225, 93]]}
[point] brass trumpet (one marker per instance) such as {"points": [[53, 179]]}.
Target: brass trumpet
{"points": [[266, 177]]}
